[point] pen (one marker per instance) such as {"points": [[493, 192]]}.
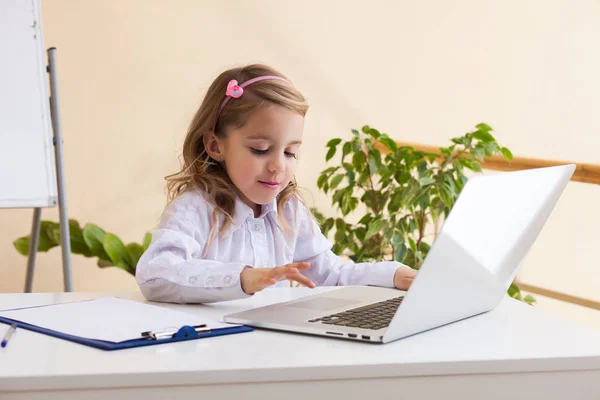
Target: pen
{"points": [[9, 334], [170, 333]]}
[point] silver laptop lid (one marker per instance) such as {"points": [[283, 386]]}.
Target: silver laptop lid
{"points": [[486, 237]]}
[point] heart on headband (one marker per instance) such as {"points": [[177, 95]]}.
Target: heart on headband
{"points": [[233, 90]]}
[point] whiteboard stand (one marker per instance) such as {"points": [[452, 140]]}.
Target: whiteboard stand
{"points": [[62, 198]]}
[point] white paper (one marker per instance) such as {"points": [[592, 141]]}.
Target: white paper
{"points": [[111, 319]]}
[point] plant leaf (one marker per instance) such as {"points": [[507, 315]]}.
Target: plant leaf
{"points": [[396, 239], [349, 203], [359, 160], [466, 163], [93, 236], [134, 251], [335, 181], [78, 244], [340, 224], [374, 161], [483, 127], [22, 245], [400, 252], [329, 171], [529, 300], [337, 196], [351, 178], [508, 155], [484, 136], [47, 239], [339, 237], [346, 149], [116, 250], [402, 177], [389, 143], [330, 153], [348, 166], [478, 153], [327, 225], [370, 131], [49, 234], [104, 263], [365, 220], [514, 291], [334, 142], [321, 181], [422, 167], [374, 228], [426, 181]]}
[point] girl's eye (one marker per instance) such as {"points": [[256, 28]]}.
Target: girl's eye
{"points": [[258, 151], [263, 152]]}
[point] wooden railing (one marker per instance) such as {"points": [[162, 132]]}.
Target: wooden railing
{"points": [[567, 298], [586, 173]]}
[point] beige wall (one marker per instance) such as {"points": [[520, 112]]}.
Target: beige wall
{"points": [[132, 73]]}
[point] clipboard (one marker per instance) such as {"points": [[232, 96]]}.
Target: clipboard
{"points": [[48, 318]]}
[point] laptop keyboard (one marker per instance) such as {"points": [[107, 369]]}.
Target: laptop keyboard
{"points": [[373, 316]]}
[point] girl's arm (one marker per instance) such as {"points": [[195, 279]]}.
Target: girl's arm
{"points": [[327, 269], [173, 269]]}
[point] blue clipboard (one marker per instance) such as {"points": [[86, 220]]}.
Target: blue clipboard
{"points": [[184, 333]]}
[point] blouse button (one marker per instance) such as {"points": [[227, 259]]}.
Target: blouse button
{"points": [[192, 280], [227, 279], [210, 280]]}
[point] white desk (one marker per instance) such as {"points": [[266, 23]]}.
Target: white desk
{"points": [[512, 352]]}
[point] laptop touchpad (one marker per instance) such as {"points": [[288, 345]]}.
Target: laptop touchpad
{"points": [[322, 303]]}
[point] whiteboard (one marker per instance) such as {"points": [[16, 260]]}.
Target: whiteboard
{"points": [[27, 170]]}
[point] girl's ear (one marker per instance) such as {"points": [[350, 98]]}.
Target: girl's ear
{"points": [[213, 146]]}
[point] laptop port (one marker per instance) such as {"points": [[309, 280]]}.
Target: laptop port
{"points": [[352, 335], [334, 333], [365, 337]]}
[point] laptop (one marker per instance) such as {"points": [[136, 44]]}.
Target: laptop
{"points": [[468, 269]]}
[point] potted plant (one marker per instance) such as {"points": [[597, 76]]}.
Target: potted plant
{"points": [[406, 193], [91, 241]]}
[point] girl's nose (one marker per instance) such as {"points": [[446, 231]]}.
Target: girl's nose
{"points": [[276, 165]]}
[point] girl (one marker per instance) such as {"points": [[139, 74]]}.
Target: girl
{"points": [[236, 223]]}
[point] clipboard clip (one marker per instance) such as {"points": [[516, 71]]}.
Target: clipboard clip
{"points": [[185, 332]]}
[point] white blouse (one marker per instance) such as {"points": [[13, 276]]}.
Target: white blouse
{"points": [[177, 267]]}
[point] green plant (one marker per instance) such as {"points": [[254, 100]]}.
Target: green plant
{"points": [[404, 191], [91, 241]]}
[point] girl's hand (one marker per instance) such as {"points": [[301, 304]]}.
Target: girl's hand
{"points": [[404, 277], [256, 279]]}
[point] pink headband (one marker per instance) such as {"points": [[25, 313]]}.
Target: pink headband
{"points": [[235, 91]]}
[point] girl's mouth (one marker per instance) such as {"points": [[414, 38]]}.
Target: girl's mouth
{"points": [[270, 184]]}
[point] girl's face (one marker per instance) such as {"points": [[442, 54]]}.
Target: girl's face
{"points": [[260, 157]]}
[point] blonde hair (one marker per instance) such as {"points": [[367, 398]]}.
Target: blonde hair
{"points": [[198, 171]]}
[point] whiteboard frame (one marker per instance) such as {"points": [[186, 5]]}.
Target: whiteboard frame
{"points": [[48, 137]]}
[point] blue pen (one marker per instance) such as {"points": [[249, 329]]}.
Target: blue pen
{"points": [[8, 335]]}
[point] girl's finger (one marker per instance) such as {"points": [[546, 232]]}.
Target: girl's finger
{"points": [[266, 282], [298, 277], [291, 272], [278, 271], [301, 265]]}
